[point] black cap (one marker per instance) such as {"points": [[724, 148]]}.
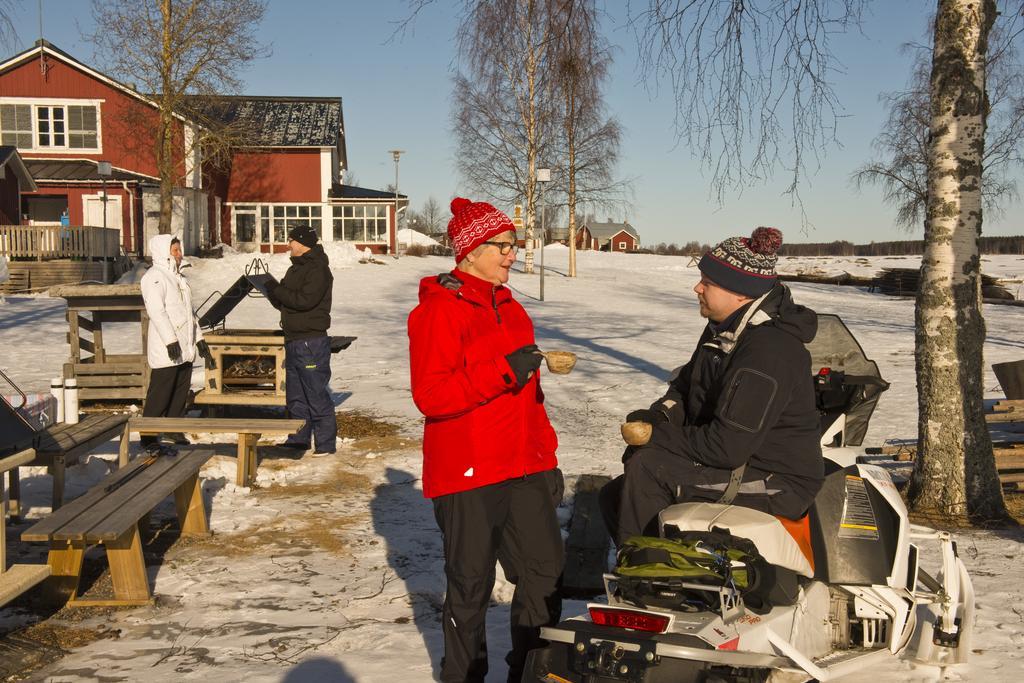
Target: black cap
{"points": [[304, 235]]}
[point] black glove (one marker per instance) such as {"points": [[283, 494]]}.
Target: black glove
{"points": [[524, 362], [174, 350], [647, 415], [204, 350]]}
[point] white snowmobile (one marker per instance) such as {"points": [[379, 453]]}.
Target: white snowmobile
{"points": [[827, 595]]}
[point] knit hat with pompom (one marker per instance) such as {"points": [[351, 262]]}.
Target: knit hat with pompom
{"points": [[473, 223], [745, 265]]}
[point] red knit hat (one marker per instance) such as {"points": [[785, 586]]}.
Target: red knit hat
{"points": [[473, 223]]}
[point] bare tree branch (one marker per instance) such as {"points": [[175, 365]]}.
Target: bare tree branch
{"points": [[739, 70]]}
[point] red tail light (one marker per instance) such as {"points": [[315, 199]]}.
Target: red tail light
{"points": [[631, 619]]}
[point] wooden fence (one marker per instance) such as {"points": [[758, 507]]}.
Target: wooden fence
{"points": [[46, 242]]}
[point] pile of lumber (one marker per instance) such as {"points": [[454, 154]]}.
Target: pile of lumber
{"points": [[1007, 418], [904, 282]]}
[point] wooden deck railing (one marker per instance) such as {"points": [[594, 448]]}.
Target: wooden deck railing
{"points": [[47, 242]]}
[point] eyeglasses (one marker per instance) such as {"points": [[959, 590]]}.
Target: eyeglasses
{"points": [[504, 247]]}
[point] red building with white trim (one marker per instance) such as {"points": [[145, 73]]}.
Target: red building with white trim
{"points": [[286, 168], [608, 237]]}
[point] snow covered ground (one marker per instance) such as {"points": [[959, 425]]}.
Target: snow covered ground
{"points": [[331, 570]]}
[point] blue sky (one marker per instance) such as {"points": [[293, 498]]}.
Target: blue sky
{"points": [[397, 94]]}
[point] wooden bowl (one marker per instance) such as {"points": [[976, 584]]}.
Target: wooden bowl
{"points": [[636, 433], [560, 362]]}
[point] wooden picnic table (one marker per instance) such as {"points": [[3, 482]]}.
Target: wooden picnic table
{"points": [[249, 432], [18, 578], [62, 445], [109, 514]]}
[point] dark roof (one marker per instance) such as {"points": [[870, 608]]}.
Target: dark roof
{"points": [[339, 191], [9, 157], [605, 231], [281, 121], [45, 170]]}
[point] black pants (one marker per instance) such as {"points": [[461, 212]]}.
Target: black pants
{"points": [[307, 391], [512, 522], [655, 479], [168, 390]]}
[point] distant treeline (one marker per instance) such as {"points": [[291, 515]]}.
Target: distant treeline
{"points": [[989, 245]]}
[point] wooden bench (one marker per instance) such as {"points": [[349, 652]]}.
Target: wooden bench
{"points": [[249, 433], [109, 514], [18, 578], [62, 445]]}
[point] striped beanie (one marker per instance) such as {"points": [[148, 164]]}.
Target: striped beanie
{"points": [[473, 223], [745, 265]]}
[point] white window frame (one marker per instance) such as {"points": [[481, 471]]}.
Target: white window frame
{"points": [[265, 212], [622, 246], [35, 102], [385, 236]]}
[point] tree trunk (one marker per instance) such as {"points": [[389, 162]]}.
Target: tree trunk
{"points": [[570, 139], [955, 475], [165, 136], [531, 136]]}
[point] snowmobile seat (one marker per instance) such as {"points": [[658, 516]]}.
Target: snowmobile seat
{"points": [[782, 543]]}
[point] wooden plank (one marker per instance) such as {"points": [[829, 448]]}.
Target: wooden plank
{"points": [[588, 543], [97, 337], [65, 562], [1004, 405], [1009, 416], [17, 460], [74, 336], [85, 324], [188, 501], [43, 530], [20, 578], [1010, 461], [1014, 478], [114, 497], [215, 425], [242, 473], [122, 393], [153, 488], [74, 440], [127, 566], [109, 381], [239, 398], [109, 368]]}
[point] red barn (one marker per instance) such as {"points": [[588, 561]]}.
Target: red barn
{"points": [[286, 167], [608, 237]]}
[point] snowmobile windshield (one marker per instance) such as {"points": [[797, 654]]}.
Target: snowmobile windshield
{"points": [[834, 347]]}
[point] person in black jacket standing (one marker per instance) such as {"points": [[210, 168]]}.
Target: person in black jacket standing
{"points": [[304, 299], [741, 412]]}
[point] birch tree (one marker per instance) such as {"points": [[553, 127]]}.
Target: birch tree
{"points": [[589, 140], [503, 112], [955, 474], [183, 53]]}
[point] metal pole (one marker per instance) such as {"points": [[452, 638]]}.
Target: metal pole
{"points": [[395, 154], [543, 235]]}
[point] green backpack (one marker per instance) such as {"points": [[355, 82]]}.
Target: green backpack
{"points": [[695, 559]]}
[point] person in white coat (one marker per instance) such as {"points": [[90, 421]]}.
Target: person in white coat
{"points": [[174, 334]]}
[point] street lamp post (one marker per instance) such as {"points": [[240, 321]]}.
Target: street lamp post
{"points": [[543, 177], [104, 170], [396, 154]]}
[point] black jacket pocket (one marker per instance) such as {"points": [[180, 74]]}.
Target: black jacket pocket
{"points": [[749, 399]]}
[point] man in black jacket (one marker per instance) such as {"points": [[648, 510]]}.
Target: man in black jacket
{"points": [[741, 411], [304, 299]]}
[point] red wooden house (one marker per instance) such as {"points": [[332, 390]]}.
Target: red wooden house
{"points": [[607, 237], [65, 117], [14, 179]]}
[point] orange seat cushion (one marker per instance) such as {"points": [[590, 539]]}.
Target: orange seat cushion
{"points": [[800, 530]]}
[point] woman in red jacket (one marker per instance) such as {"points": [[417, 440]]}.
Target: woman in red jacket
{"points": [[488, 448]]}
